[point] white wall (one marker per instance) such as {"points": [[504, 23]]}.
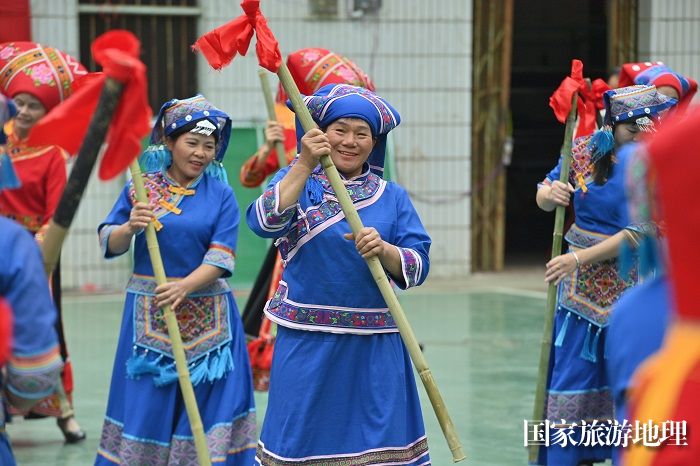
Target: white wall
{"points": [[669, 31], [419, 57]]}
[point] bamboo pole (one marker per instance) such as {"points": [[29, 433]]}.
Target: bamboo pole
{"points": [[183, 373], [546, 344], [379, 274], [270, 105], [80, 175]]}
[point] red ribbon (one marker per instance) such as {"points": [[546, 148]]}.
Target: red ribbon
{"points": [[220, 46], [588, 101], [66, 125]]}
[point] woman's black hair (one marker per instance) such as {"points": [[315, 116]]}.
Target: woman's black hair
{"points": [[187, 128], [602, 168]]}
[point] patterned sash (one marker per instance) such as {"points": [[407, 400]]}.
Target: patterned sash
{"points": [[203, 319], [591, 290]]}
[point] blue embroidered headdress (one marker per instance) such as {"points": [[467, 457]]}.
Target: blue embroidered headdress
{"points": [[335, 101], [640, 103], [176, 114]]}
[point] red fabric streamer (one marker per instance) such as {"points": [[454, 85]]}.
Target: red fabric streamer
{"points": [[674, 155], [5, 331], [221, 45], [588, 101], [66, 125]]}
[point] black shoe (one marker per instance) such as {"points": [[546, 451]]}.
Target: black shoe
{"points": [[70, 435]]}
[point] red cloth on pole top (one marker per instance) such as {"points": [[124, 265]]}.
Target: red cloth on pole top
{"points": [[588, 101], [118, 53], [221, 45]]}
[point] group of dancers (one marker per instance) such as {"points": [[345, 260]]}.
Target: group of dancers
{"points": [[341, 389]]}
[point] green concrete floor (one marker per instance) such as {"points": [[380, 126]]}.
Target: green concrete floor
{"points": [[482, 347]]}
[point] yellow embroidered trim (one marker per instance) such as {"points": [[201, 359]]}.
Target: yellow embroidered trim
{"points": [[180, 190], [169, 207], [157, 225], [581, 182]]}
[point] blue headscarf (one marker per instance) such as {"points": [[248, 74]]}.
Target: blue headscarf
{"points": [[335, 101], [173, 115], [627, 104]]}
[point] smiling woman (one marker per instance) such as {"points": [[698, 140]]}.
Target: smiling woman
{"points": [[197, 217], [38, 78], [192, 153], [351, 143], [338, 354]]}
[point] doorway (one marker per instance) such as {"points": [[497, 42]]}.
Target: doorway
{"points": [[547, 35]]}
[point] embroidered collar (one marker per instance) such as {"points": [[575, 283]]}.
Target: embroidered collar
{"points": [[359, 178], [581, 174], [165, 194], [18, 149], [359, 187], [177, 187]]}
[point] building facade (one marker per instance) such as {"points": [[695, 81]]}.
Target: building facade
{"points": [[419, 53]]}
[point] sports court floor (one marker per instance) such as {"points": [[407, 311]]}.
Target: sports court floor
{"points": [[481, 341]]}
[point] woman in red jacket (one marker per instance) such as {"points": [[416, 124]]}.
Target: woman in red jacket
{"points": [[38, 78]]}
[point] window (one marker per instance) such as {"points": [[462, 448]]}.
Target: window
{"points": [[166, 29]]}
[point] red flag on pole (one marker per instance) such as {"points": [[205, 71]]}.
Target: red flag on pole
{"points": [[221, 45], [66, 125], [588, 103]]}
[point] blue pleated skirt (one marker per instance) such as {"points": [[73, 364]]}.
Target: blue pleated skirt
{"points": [[577, 388], [148, 425], [340, 399]]}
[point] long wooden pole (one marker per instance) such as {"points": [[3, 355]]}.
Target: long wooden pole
{"points": [[80, 175], [557, 237], [379, 275], [183, 373], [270, 105], [59, 225]]}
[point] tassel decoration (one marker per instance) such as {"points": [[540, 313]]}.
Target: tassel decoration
{"points": [[602, 142]]}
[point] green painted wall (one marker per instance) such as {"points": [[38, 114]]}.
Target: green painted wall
{"points": [[251, 248]]}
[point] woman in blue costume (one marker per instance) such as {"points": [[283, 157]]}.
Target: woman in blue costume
{"points": [[196, 217], [588, 277], [342, 390], [33, 367]]}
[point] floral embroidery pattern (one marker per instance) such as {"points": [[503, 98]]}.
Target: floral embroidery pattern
{"points": [[42, 74], [7, 52], [582, 238], [161, 197], [399, 455], [329, 208], [223, 440], [203, 320], [576, 406], [220, 256], [410, 262], [266, 207], [352, 321], [592, 289]]}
